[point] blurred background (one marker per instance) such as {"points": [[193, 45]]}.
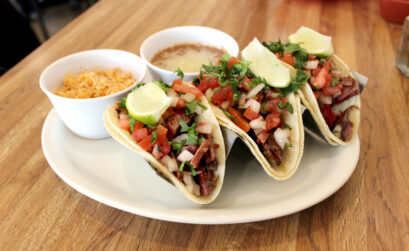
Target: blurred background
{"points": [[25, 24]]}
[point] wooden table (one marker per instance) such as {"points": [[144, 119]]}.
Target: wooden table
{"points": [[371, 211]]}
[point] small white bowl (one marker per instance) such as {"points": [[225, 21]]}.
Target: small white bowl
{"points": [[181, 35], [84, 117]]}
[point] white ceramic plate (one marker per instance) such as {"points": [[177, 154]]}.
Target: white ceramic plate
{"points": [[108, 172]]}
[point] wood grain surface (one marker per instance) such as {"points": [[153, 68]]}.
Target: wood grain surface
{"points": [[38, 211]]}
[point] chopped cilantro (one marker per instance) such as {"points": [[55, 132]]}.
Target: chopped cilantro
{"points": [[288, 105], [201, 105], [178, 145], [335, 81], [288, 145], [154, 137], [296, 82], [162, 85], [159, 150], [196, 81], [192, 170], [275, 94], [138, 85], [122, 104], [287, 126], [132, 122], [191, 107], [192, 136], [184, 126], [180, 73], [182, 165], [152, 126]]}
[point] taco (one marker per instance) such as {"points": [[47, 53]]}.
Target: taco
{"points": [[332, 94], [182, 142], [266, 118]]}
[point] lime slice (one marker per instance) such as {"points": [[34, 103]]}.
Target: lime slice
{"points": [[147, 103], [312, 41], [266, 65]]}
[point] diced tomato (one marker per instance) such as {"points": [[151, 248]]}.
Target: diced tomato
{"points": [[186, 89], [272, 120], [246, 83], [165, 149], [238, 119], [328, 115], [204, 182], [328, 79], [226, 93], [178, 81], [232, 61], [320, 80], [145, 144], [124, 124], [138, 125], [311, 57], [250, 114], [162, 131], [272, 105], [315, 71], [139, 134], [262, 137], [278, 55], [208, 83], [181, 103], [288, 58], [317, 94], [328, 65]]}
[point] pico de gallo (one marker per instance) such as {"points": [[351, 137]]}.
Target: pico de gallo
{"points": [[330, 87], [184, 146], [254, 106]]}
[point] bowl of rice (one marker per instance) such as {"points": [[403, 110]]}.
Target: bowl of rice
{"points": [[82, 85]]}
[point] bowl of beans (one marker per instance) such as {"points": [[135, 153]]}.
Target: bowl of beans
{"points": [[82, 85]]}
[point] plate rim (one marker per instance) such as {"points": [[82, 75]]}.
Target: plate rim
{"points": [[184, 218]]}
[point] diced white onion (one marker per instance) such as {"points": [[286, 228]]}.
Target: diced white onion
{"points": [[225, 105], [185, 155], [325, 99], [281, 136], [336, 74], [255, 90], [205, 128], [242, 100], [209, 94], [155, 151], [170, 163], [174, 101], [253, 104], [337, 131], [258, 131], [189, 97], [123, 116], [258, 124], [172, 93], [190, 184], [179, 138], [312, 64]]}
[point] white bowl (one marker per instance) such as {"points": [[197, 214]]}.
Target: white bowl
{"points": [[84, 117], [181, 35]]}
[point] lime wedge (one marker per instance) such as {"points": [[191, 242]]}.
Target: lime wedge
{"points": [[266, 65], [312, 41], [147, 103]]}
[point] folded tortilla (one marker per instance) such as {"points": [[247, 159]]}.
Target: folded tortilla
{"points": [[292, 155], [124, 137], [310, 102]]}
